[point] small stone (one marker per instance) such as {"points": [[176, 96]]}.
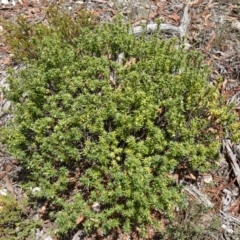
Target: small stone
{"points": [[227, 229], [5, 2], [3, 192], [207, 178], [36, 189], [6, 105], [48, 238], [96, 207], [236, 25]]}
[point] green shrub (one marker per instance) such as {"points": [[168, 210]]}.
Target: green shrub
{"points": [[24, 36], [14, 222], [88, 129]]}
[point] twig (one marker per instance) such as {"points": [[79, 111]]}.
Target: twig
{"points": [[232, 157]]}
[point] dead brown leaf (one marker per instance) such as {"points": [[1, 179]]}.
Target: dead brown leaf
{"points": [[212, 130], [223, 87], [206, 18], [191, 176], [79, 219], [193, 3], [211, 5], [130, 62], [6, 61], [174, 176], [210, 42], [234, 207], [7, 167], [2, 174], [42, 210], [112, 77], [175, 17], [9, 185]]}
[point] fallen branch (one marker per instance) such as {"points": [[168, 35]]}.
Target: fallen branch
{"points": [[232, 158], [153, 27], [203, 198]]}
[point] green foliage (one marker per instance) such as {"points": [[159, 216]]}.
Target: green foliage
{"points": [[123, 126], [14, 223], [24, 37]]}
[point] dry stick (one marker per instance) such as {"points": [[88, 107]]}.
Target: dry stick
{"points": [[203, 198], [218, 189], [232, 158], [185, 22], [229, 217], [153, 27]]}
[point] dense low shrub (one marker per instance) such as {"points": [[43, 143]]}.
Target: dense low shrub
{"points": [[100, 136], [24, 36], [15, 223]]}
